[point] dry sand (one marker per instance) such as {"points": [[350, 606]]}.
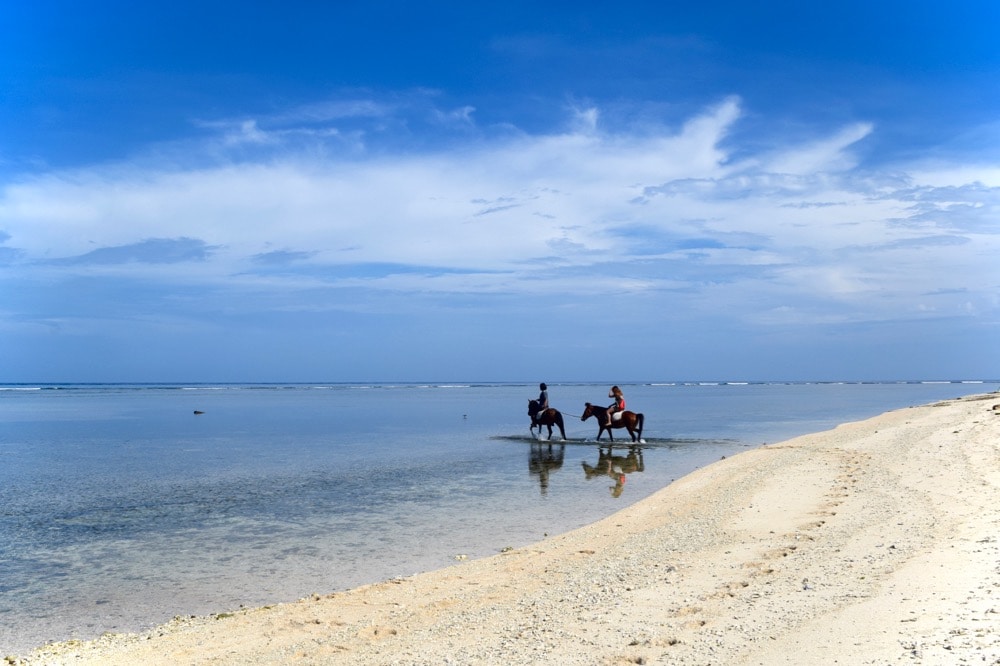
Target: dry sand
{"points": [[877, 542]]}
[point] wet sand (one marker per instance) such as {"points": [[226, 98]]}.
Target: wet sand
{"points": [[877, 542]]}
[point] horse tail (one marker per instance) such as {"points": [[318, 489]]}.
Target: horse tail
{"points": [[641, 419]]}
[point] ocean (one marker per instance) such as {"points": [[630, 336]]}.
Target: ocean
{"points": [[122, 506]]}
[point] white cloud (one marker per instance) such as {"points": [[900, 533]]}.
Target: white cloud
{"points": [[949, 175], [533, 214], [824, 155], [248, 132], [586, 120]]}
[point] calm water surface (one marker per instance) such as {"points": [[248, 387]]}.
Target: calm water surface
{"points": [[120, 507]]}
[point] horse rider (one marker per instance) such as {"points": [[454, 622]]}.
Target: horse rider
{"points": [[617, 406], [543, 398]]}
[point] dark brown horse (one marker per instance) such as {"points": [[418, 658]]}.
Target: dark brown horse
{"points": [[543, 459], [546, 417], [629, 420]]}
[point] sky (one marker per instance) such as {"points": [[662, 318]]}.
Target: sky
{"points": [[219, 191]]}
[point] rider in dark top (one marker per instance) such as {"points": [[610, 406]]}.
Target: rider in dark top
{"points": [[543, 397]]}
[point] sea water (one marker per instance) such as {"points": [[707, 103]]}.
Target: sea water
{"points": [[122, 506]]}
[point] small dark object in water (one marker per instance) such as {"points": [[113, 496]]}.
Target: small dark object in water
{"points": [[198, 412]]}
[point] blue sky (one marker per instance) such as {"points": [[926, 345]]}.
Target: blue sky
{"points": [[384, 191]]}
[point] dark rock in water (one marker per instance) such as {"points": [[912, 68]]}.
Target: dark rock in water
{"points": [[198, 412]]}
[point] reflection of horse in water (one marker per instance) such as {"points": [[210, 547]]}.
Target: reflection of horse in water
{"points": [[629, 420], [615, 467], [543, 459], [546, 417]]}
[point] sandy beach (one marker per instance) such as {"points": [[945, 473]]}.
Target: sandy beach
{"points": [[877, 542]]}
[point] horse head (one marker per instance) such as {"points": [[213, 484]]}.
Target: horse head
{"points": [[588, 411]]}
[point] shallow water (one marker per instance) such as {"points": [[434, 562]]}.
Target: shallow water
{"points": [[120, 507]]}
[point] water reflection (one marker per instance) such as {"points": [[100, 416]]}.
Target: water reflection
{"points": [[544, 458], [616, 467]]}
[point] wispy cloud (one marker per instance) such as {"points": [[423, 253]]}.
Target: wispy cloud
{"points": [[150, 251], [825, 155], [798, 227]]}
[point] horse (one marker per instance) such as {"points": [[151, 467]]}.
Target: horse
{"points": [[545, 417], [629, 420]]}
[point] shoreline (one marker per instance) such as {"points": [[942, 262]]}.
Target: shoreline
{"points": [[874, 542]]}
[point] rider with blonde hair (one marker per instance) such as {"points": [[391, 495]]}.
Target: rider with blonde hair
{"points": [[617, 406]]}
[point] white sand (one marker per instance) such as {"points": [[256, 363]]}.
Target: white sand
{"points": [[877, 542]]}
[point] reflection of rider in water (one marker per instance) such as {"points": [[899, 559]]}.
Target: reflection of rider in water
{"points": [[616, 467], [617, 406]]}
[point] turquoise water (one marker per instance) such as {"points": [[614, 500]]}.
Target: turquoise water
{"points": [[120, 507]]}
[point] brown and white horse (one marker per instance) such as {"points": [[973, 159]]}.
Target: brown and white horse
{"points": [[629, 420]]}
